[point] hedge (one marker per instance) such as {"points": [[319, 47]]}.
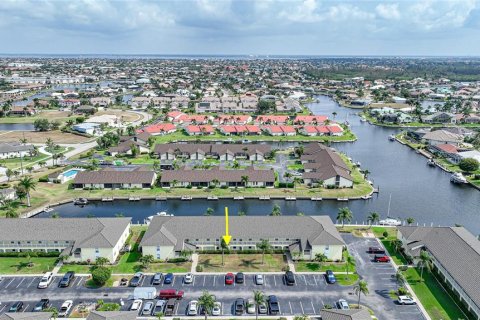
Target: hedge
{"points": [[40, 254]]}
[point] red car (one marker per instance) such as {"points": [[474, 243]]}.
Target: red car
{"points": [[381, 258], [229, 278]]}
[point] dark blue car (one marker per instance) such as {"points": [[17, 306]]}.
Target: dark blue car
{"points": [[330, 277], [168, 278]]}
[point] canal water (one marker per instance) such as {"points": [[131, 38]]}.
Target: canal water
{"points": [[416, 189], [16, 127]]}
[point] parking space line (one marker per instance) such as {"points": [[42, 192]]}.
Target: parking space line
{"points": [[193, 282], [80, 282], [9, 283], [313, 308], [315, 279], [18, 285], [214, 280], [31, 282], [1, 310], [275, 280], [204, 278], [301, 306], [26, 308], [143, 280], [265, 280], [291, 311], [173, 282]]}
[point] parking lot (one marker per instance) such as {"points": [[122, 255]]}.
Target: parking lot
{"points": [[308, 296]]}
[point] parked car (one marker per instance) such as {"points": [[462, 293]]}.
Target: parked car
{"points": [[159, 306], [170, 294], [239, 306], [262, 308], [45, 281], [250, 306], [381, 258], [239, 277], [157, 279], [41, 305], [192, 308], [170, 307], [376, 250], [136, 280], [229, 278], [136, 305], [289, 278], [16, 307], [343, 304], [273, 305], [406, 300], [147, 308], [259, 279], [217, 308], [65, 308], [188, 278], [67, 279], [168, 278], [330, 277]]}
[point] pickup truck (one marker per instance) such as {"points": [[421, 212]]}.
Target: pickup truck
{"points": [[170, 307], [273, 306]]}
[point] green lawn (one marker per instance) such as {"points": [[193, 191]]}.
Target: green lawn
{"points": [[311, 266], [242, 262], [16, 163], [14, 265], [347, 280], [433, 297], [397, 257]]}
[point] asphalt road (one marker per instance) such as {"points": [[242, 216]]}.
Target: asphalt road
{"points": [[309, 295]]}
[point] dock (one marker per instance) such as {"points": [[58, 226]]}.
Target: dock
{"points": [[134, 199], [290, 198], [342, 199], [186, 198], [160, 198], [107, 199], [264, 198], [212, 198], [316, 199], [238, 198]]}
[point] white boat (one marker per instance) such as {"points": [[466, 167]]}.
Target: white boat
{"points": [[160, 214], [457, 177], [48, 209], [212, 198], [363, 120], [358, 164], [186, 198], [290, 198], [390, 222], [366, 197], [431, 162], [342, 199], [391, 137], [80, 202]]}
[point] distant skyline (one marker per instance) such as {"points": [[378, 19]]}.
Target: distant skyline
{"points": [[241, 27]]}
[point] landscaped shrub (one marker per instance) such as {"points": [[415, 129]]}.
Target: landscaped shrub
{"points": [[385, 234], [43, 179], [40, 254], [189, 186], [199, 268], [100, 275], [328, 306], [177, 260]]}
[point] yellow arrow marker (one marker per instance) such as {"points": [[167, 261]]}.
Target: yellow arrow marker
{"points": [[226, 237]]}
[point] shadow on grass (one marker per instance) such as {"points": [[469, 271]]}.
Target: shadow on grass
{"points": [[248, 264], [312, 266]]}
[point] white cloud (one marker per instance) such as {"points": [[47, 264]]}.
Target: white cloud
{"points": [[388, 11], [304, 12], [432, 14]]}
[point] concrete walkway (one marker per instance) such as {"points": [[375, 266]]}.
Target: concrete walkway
{"points": [[193, 269], [291, 265], [57, 267]]}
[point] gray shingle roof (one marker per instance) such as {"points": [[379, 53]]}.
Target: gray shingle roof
{"points": [[213, 148], [112, 315], [85, 232], [115, 176], [254, 175], [352, 314], [27, 316], [455, 248], [311, 230], [15, 147]]}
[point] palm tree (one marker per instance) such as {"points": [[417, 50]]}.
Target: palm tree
{"points": [[361, 288], [265, 246], [410, 221], [399, 279], [209, 212], [349, 262], [223, 246], [320, 258], [215, 182], [259, 298], [424, 261], [373, 218], [287, 176], [344, 214], [366, 172], [28, 184], [276, 211], [295, 181], [11, 213], [207, 302], [9, 174], [397, 245], [245, 180]]}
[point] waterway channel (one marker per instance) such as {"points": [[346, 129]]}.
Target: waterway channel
{"points": [[416, 189]]}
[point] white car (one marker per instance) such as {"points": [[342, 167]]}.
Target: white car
{"points": [[250, 306], [136, 305], [343, 304], [188, 278], [45, 281], [259, 279], [406, 300], [217, 308], [192, 308], [65, 308]]}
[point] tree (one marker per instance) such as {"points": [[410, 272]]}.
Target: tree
{"points": [[146, 260], [301, 317], [360, 288], [399, 278], [424, 261], [469, 164], [296, 180], [265, 246], [320, 258], [9, 174], [207, 302], [134, 150], [349, 262], [223, 246], [259, 298], [100, 275], [287, 175], [299, 151], [245, 180], [101, 261], [55, 215], [28, 184], [276, 211], [410, 221], [130, 131], [53, 310], [186, 253], [41, 125], [344, 214], [373, 218], [397, 245], [156, 166], [215, 182], [366, 172], [11, 213], [209, 212]]}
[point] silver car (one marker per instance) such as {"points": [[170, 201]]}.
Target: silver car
{"points": [[259, 279], [343, 304], [147, 308]]}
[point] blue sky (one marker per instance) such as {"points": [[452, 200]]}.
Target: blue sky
{"points": [[310, 27]]}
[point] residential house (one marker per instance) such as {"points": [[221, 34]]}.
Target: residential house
{"points": [[87, 128], [27, 316], [239, 129], [167, 237], [101, 101], [442, 137], [115, 178], [280, 130], [271, 119], [309, 120], [15, 150], [439, 117], [140, 102], [79, 239], [69, 103], [89, 110], [199, 130], [455, 254], [22, 111], [158, 129], [112, 315]]}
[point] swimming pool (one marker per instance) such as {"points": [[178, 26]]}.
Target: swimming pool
{"points": [[70, 173]]}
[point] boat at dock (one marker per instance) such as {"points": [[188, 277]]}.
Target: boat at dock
{"points": [[390, 222], [431, 162], [363, 120], [134, 199], [391, 137], [457, 177], [80, 202], [48, 209], [110, 199], [366, 197], [264, 198], [212, 198], [160, 198], [159, 214], [316, 199], [290, 198], [342, 199], [238, 198], [186, 198]]}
